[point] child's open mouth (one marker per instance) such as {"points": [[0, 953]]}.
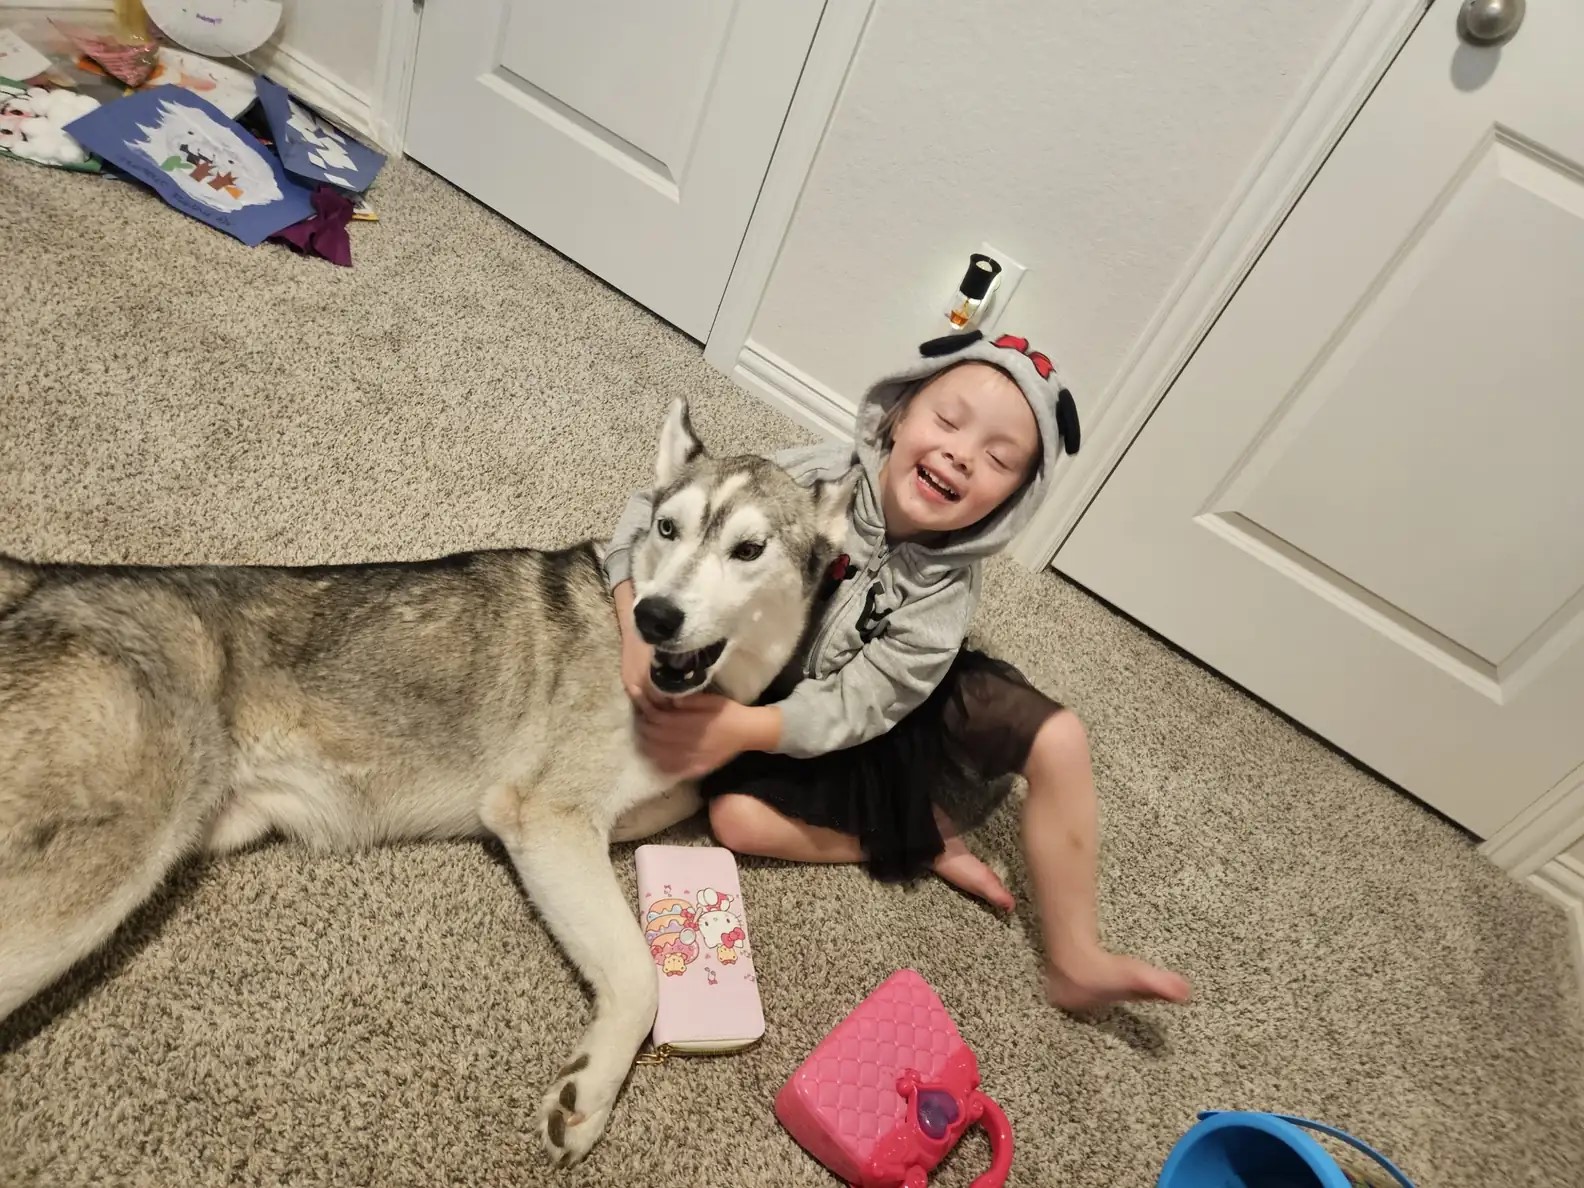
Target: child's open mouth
{"points": [[940, 489]]}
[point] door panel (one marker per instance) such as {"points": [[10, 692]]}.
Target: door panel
{"points": [[633, 77], [630, 136], [1360, 498]]}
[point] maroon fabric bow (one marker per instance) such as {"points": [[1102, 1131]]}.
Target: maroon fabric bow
{"points": [[324, 233]]}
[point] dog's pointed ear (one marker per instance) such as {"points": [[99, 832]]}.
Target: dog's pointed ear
{"points": [[833, 501], [679, 445]]}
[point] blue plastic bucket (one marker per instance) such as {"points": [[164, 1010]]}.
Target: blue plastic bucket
{"points": [[1236, 1149]]}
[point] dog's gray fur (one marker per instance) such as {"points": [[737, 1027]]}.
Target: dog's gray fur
{"points": [[147, 714]]}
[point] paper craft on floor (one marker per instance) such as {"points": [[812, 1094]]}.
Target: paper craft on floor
{"points": [[325, 234], [33, 126], [229, 89], [224, 28], [18, 59], [197, 160], [312, 148], [130, 59]]}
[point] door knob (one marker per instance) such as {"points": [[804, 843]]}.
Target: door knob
{"points": [[1489, 22]]}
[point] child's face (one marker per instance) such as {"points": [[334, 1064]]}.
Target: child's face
{"points": [[963, 445]]}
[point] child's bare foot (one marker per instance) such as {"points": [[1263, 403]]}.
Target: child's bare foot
{"points": [[1100, 979], [958, 866]]}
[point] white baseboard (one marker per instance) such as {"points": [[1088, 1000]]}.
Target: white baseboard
{"points": [[1562, 880], [321, 89], [800, 396]]}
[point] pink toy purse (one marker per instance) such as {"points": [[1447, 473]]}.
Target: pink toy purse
{"points": [[690, 907], [890, 1091]]}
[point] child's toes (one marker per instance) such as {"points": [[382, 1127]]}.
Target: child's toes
{"points": [[1101, 979]]}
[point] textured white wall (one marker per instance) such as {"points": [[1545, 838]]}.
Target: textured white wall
{"points": [[1092, 140], [340, 36]]}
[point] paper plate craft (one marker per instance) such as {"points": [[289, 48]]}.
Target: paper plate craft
{"points": [[33, 126], [221, 27], [313, 149], [197, 160]]}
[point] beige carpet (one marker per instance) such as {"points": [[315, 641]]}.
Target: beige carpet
{"points": [[390, 1018]]}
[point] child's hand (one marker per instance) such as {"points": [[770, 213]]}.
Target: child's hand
{"points": [[694, 735], [636, 655]]}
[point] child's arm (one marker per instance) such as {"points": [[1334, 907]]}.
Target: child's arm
{"points": [[888, 679], [634, 522]]}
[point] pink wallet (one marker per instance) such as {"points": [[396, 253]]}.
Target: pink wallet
{"points": [[890, 1090], [690, 906]]}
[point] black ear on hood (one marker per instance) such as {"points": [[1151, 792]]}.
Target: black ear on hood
{"points": [[949, 344], [1067, 420]]}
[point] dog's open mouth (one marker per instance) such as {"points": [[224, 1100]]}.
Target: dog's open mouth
{"points": [[683, 672]]}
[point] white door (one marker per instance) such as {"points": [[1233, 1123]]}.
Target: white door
{"points": [[1363, 499], [629, 135]]}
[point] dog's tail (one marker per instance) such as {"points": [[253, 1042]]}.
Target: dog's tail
{"points": [[17, 579]]}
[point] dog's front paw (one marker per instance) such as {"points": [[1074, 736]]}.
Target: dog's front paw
{"points": [[574, 1113]]}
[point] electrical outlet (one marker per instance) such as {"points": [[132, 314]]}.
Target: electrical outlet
{"points": [[1006, 286]]}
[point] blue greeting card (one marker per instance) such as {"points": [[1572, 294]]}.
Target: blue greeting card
{"points": [[196, 159], [313, 149]]}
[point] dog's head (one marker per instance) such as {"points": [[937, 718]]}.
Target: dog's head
{"points": [[735, 553]]}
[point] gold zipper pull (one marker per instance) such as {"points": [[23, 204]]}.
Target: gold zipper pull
{"points": [[654, 1055]]}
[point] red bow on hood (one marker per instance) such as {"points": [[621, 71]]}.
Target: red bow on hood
{"points": [[1020, 345]]}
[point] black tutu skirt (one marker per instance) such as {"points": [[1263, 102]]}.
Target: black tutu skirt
{"points": [[958, 752]]}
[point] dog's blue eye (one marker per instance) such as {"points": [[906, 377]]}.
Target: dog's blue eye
{"points": [[666, 527], [748, 550]]}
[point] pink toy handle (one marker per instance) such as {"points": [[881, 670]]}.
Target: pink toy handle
{"points": [[999, 1132]]}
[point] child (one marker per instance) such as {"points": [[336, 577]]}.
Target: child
{"points": [[898, 737]]}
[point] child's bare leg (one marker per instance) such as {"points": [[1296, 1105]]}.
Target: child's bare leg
{"points": [[959, 867], [1060, 843], [751, 826]]}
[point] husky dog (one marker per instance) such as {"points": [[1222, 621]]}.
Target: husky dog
{"points": [[150, 713]]}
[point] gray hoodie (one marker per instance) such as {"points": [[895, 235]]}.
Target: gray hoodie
{"points": [[889, 633]]}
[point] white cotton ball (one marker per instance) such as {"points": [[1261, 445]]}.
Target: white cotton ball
{"points": [[44, 137], [77, 106], [60, 106], [44, 141]]}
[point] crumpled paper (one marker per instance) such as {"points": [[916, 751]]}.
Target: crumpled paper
{"points": [[131, 61], [324, 233]]}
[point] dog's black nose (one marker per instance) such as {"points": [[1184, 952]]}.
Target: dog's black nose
{"points": [[658, 619]]}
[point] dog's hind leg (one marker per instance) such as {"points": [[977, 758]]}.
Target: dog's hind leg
{"points": [[105, 783], [563, 859], [66, 884]]}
